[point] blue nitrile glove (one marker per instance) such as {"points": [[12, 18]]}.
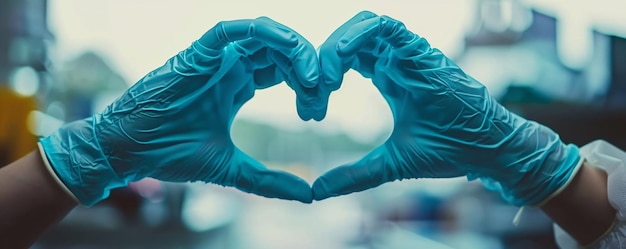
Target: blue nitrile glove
{"points": [[445, 122], [174, 124]]}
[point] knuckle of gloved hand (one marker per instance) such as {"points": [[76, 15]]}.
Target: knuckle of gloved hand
{"points": [[220, 32], [263, 19], [245, 184], [366, 14], [390, 26]]}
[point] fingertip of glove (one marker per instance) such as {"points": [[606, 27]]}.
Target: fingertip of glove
{"points": [[314, 115], [319, 115], [300, 191], [318, 198], [321, 196], [309, 117], [319, 190], [306, 113], [303, 196], [307, 200]]}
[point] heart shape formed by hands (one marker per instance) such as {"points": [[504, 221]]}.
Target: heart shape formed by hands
{"points": [[439, 112], [445, 122], [426, 92], [174, 124]]}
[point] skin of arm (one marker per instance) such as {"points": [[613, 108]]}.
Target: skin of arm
{"points": [[583, 209], [30, 201]]}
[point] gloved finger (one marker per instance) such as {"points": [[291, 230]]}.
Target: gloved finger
{"points": [[268, 71], [205, 54], [303, 56], [211, 45], [253, 177], [300, 69], [369, 172], [310, 103], [392, 32], [265, 72], [262, 29], [278, 68], [332, 66], [249, 48]]}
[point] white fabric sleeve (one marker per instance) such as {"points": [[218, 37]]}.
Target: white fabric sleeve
{"points": [[605, 156]]}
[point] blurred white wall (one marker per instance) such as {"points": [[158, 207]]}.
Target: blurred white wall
{"points": [[138, 36]]}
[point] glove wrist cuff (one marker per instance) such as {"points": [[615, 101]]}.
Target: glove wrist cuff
{"points": [[54, 175], [555, 193], [564, 186], [75, 156], [533, 183]]}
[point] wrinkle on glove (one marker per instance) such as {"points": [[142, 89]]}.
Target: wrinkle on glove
{"points": [[174, 123], [445, 122]]}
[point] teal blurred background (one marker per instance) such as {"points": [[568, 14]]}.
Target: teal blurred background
{"points": [[558, 62]]}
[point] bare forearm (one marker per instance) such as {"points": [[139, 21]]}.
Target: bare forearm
{"points": [[30, 201], [583, 208]]}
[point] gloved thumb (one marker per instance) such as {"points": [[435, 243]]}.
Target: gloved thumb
{"points": [[372, 170], [253, 177]]}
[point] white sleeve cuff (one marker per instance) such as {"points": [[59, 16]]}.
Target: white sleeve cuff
{"points": [[54, 175], [609, 158]]}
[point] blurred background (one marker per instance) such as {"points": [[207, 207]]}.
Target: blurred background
{"points": [[558, 62]]}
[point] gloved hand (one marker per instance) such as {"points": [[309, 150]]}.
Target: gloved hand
{"points": [[174, 124], [445, 122]]}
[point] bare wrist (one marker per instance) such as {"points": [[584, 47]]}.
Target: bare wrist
{"points": [[582, 209]]}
